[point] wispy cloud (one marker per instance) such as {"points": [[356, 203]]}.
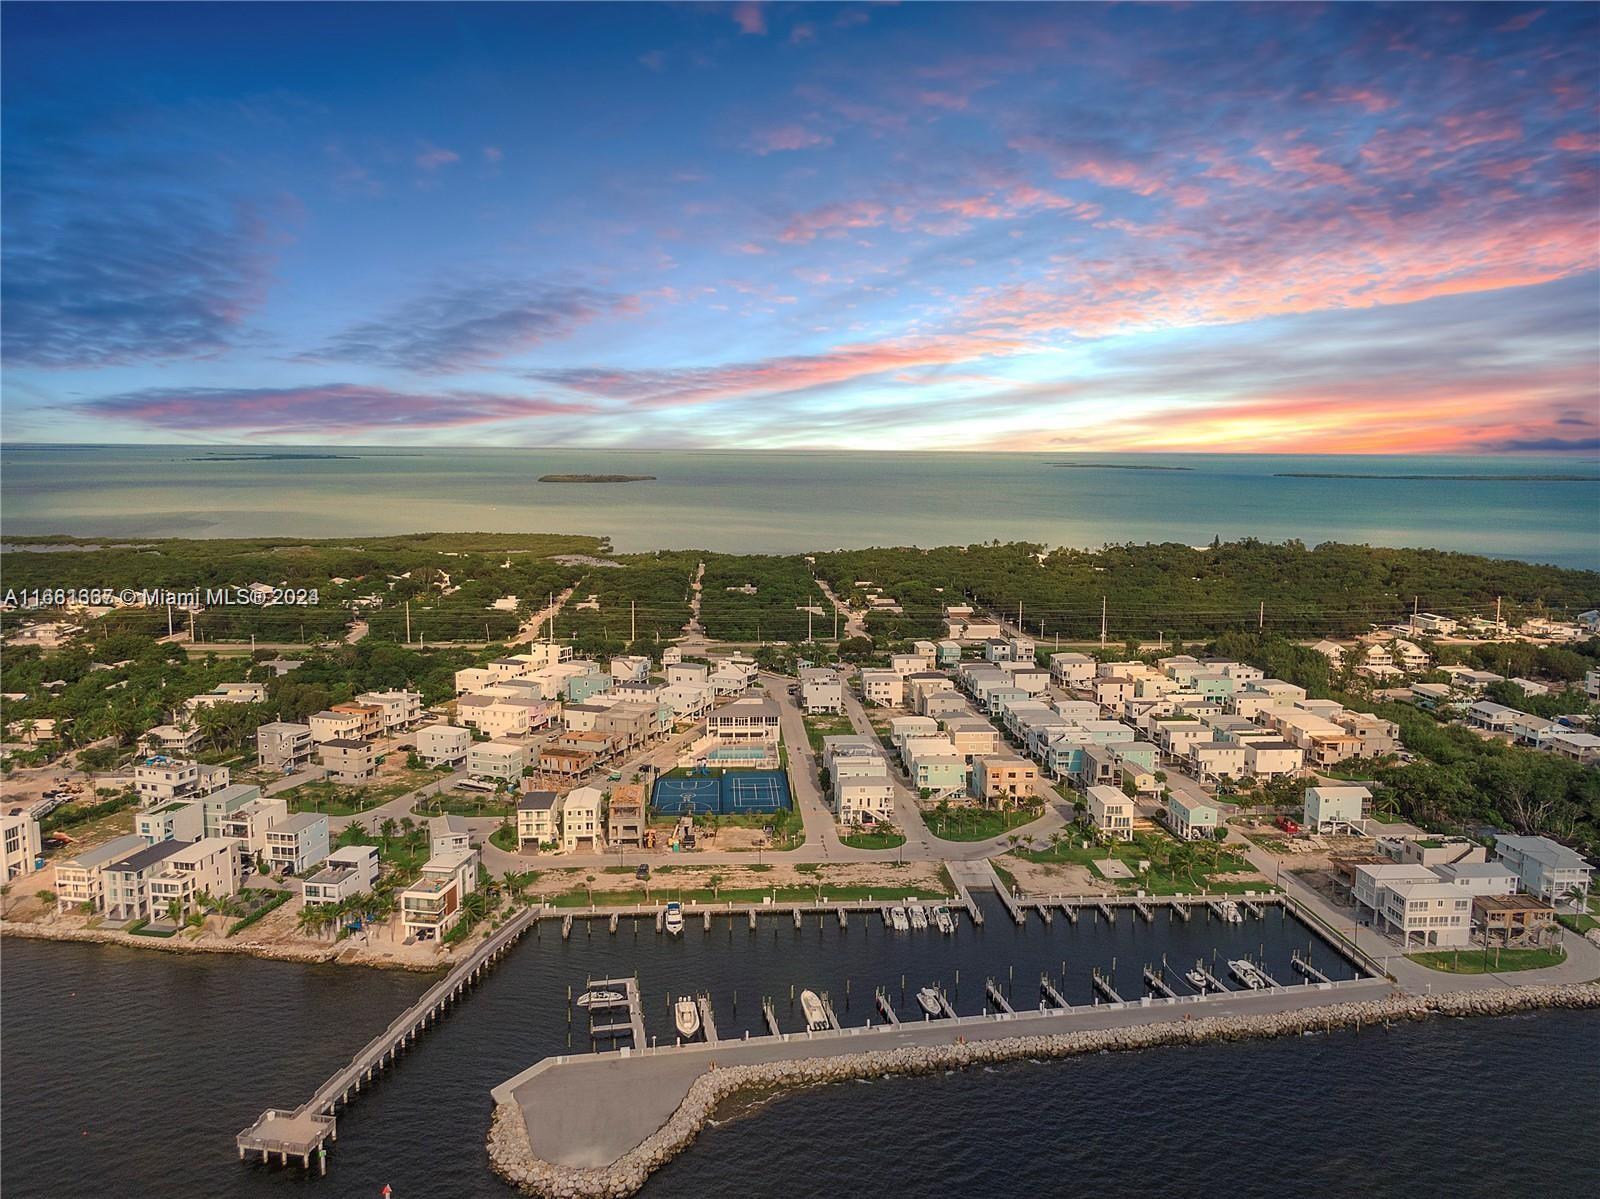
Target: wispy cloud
{"points": [[461, 326], [431, 157], [787, 137]]}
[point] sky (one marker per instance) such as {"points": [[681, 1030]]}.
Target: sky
{"points": [[1302, 228]]}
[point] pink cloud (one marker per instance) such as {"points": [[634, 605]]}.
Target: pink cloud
{"points": [[749, 17], [1520, 22], [431, 158], [332, 408], [787, 137], [493, 154]]}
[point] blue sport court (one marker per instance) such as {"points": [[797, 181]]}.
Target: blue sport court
{"points": [[736, 792]]}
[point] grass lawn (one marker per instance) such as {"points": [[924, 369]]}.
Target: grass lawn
{"points": [[818, 727], [780, 895], [874, 840], [1478, 960], [462, 803], [337, 800], [976, 824], [1006, 877], [1162, 878]]}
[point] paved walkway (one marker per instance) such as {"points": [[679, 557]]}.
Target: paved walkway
{"points": [[573, 1116]]}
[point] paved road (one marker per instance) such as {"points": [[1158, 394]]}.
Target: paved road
{"points": [[571, 1106]]}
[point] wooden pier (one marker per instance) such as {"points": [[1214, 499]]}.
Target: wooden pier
{"points": [[708, 1019], [752, 920], [706, 923], [887, 1008], [1018, 912], [1103, 984], [1180, 911], [1301, 963], [945, 1007], [633, 1026], [1048, 990], [1146, 911], [304, 1132], [796, 919], [1158, 984], [1070, 912], [1107, 911], [770, 1016], [1253, 908], [996, 997], [1213, 983]]}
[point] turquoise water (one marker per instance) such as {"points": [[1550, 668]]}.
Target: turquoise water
{"points": [[788, 502]]}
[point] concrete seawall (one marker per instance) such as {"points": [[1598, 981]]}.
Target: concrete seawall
{"points": [[513, 1159]]}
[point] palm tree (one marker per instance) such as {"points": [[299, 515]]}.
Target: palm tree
{"points": [[476, 905], [175, 910], [388, 828], [716, 885]]}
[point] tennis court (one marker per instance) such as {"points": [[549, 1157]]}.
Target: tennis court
{"points": [[754, 791]]}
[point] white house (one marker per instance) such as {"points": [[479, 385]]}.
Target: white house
{"points": [[347, 872], [1546, 868], [298, 842], [1337, 809], [821, 690], [443, 744], [502, 760], [1111, 812]]}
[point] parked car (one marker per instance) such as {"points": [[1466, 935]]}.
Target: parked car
{"points": [[643, 872]]}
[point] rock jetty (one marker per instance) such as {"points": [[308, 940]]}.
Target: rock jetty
{"points": [[513, 1159]]}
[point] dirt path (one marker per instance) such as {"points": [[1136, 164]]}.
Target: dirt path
{"points": [[695, 631], [855, 623]]}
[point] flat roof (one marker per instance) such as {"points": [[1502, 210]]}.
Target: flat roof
{"points": [[346, 743], [148, 856]]}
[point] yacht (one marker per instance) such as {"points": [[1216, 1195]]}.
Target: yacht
{"points": [[686, 1016], [674, 918], [919, 918], [943, 920], [601, 998], [929, 999], [1249, 974], [897, 917], [816, 1015]]}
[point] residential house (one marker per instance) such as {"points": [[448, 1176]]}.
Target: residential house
{"points": [[80, 879], [1111, 812], [1072, 670], [753, 719], [332, 725], [1546, 868], [1003, 779], [209, 866], [1190, 819], [538, 819], [448, 834], [347, 761], [125, 889], [161, 779], [496, 760], [297, 843], [228, 693], [346, 873], [1415, 904], [1213, 760], [1337, 809], [1513, 919], [630, 669], [694, 674], [1272, 759], [283, 745], [443, 744], [625, 816], [1493, 718], [247, 826], [583, 821], [179, 820], [20, 842], [1374, 736], [1583, 748], [431, 906], [181, 740], [886, 688], [397, 709]]}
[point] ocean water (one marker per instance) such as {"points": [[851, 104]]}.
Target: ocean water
{"points": [[140, 1067], [795, 502]]}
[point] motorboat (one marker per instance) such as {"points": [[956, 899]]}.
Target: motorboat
{"points": [[686, 1017], [928, 998], [1231, 912], [1196, 978], [897, 917], [816, 1015], [601, 998], [919, 918], [1248, 973], [673, 922], [943, 920]]}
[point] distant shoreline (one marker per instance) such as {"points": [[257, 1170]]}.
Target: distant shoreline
{"points": [[1116, 466], [1291, 474], [596, 478], [279, 458]]}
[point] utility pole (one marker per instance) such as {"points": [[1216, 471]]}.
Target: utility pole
{"points": [[836, 622], [1497, 613], [808, 622], [169, 620], [1102, 621], [633, 623], [1261, 616], [191, 624], [408, 622], [1021, 632], [1414, 606]]}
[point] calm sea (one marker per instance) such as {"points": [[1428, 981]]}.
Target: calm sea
{"points": [[137, 1069], [793, 502]]}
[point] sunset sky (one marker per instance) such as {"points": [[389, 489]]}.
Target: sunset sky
{"points": [[1300, 228]]}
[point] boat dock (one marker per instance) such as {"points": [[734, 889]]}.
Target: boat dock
{"points": [[1107, 911], [1048, 990], [1146, 911], [304, 1132], [770, 1016], [633, 1026], [1070, 912], [945, 1009], [1213, 983], [1253, 908], [1158, 984], [1102, 983], [999, 1000], [887, 1008], [1303, 965], [708, 1021]]}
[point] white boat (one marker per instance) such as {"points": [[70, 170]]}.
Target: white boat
{"points": [[929, 999], [816, 1015], [943, 920], [1248, 973], [674, 919], [897, 917], [1231, 912], [1197, 979], [686, 1016], [919, 918], [600, 998]]}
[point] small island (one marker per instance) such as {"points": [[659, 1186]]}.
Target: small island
{"points": [[596, 478], [1117, 466]]}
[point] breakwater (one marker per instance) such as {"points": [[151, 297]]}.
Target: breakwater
{"points": [[512, 1157]]}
